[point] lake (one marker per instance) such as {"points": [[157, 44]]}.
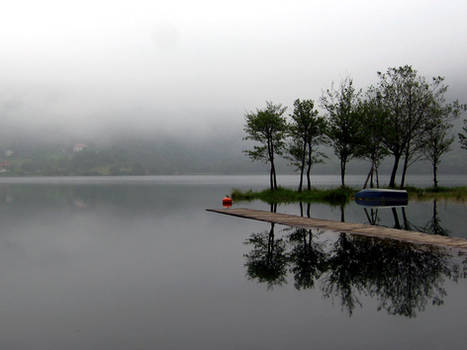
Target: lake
{"points": [[137, 263]]}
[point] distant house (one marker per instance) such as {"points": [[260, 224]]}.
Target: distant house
{"points": [[79, 147], [9, 153]]}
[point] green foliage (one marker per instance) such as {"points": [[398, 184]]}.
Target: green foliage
{"points": [[463, 137], [307, 131], [343, 121], [283, 195], [339, 196], [416, 115], [457, 193], [436, 142], [371, 147], [268, 128], [435, 139]]}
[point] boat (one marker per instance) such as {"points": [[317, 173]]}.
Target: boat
{"points": [[381, 197]]}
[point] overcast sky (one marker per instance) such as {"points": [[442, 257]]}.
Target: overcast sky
{"points": [[88, 62]]}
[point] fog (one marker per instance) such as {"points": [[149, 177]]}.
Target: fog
{"points": [[192, 69]]}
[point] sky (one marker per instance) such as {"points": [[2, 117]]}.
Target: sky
{"points": [[160, 65]]}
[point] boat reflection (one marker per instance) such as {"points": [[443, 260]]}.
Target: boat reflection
{"points": [[433, 225], [403, 278]]}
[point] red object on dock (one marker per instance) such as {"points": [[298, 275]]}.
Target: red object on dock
{"points": [[227, 202]]}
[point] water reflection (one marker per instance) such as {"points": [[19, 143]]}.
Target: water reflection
{"points": [[401, 219], [434, 225], [403, 278], [307, 258], [267, 261], [113, 265]]}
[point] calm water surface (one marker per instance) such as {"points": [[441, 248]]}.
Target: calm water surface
{"points": [[136, 263]]}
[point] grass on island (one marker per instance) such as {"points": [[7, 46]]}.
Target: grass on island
{"points": [[337, 196], [285, 195], [457, 193]]}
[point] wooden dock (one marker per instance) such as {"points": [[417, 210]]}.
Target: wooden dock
{"points": [[356, 229]]}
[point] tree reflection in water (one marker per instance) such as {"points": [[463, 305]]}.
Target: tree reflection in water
{"points": [[434, 225], [343, 275], [267, 261], [372, 214], [403, 278], [307, 258]]}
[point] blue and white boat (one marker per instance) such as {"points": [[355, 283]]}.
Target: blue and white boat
{"points": [[381, 197]]}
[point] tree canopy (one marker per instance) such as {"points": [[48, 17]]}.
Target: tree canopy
{"points": [[462, 136], [307, 131], [268, 128], [343, 123]]}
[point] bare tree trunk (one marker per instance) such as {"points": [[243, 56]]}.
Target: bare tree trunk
{"points": [[302, 168], [435, 175], [404, 170], [377, 177], [271, 162], [271, 182], [343, 164], [273, 169], [274, 176], [392, 182], [308, 170], [368, 177]]}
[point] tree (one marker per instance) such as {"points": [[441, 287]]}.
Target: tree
{"points": [[462, 137], [372, 115], [307, 131], [343, 125], [406, 97], [410, 103], [267, 127], [436, 139], [437, 142]]}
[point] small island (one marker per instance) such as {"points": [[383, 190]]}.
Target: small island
{"points": [[339, 196]]}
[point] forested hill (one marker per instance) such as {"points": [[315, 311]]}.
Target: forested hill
{"points": [[165, 155]]}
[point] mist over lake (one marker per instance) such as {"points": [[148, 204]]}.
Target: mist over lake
{"points": [[122, 121]]}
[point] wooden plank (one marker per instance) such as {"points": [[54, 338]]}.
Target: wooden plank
{"points": [[357, 229]]}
